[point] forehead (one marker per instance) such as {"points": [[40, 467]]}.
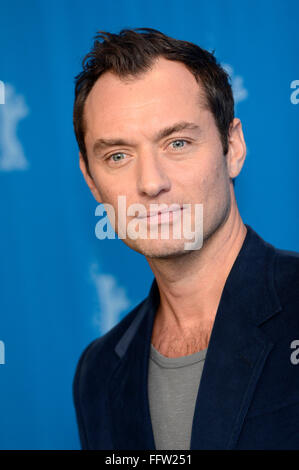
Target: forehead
{"points": [[168, 91]]}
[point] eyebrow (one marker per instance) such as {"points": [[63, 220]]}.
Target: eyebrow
{"points": [[179, 126]]}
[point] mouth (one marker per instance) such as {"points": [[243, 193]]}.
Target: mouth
{"points": [[163, 216]]}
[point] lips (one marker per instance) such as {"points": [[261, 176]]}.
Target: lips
{"points": [[155, 213]]}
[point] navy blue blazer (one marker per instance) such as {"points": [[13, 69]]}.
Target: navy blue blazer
{"points": [[248, 397]]}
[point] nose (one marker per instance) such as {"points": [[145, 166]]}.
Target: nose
{"points": [[151, 176]]}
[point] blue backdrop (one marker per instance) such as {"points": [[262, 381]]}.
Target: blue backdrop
{"points": [[61, 287]]}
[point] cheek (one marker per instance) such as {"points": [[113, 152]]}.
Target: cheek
{"points": [[215, 183], [104, 190], [218, 170], [111, 189]]}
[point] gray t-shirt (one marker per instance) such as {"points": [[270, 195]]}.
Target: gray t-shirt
{"points": [[172, 389]]}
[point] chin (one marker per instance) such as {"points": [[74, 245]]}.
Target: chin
{"points": [[160, 248]]}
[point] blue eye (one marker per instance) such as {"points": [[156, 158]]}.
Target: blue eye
{"points": [[180, 141], [115, 155]]}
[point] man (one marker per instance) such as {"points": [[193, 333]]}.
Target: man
{"points": [[208, 360]]}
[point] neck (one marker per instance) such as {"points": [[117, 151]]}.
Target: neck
{"points": [[190, 286]]}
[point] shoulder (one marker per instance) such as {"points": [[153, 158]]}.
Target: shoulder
{"points": [[285, 282], [286, 275], [90, 382], [287, 261], [99, 356], [92, 373]]}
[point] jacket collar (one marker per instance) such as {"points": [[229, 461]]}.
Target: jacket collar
{"points": [[235, 357]]}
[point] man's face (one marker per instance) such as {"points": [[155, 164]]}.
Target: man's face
{"points": [[184, 167]]}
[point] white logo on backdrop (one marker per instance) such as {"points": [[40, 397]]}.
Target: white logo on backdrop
{"points": [[2, 352], [239, 91], [112, 300], [12, 110], [2, 92]]}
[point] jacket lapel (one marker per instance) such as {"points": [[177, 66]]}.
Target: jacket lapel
{"points": [[128, 396], [237, 351], [238, 348]]}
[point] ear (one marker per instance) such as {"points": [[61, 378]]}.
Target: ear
{"points": [[237, 149], [89, 180]]}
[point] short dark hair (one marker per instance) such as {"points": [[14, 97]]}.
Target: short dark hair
{"points": [[132, 52]]}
